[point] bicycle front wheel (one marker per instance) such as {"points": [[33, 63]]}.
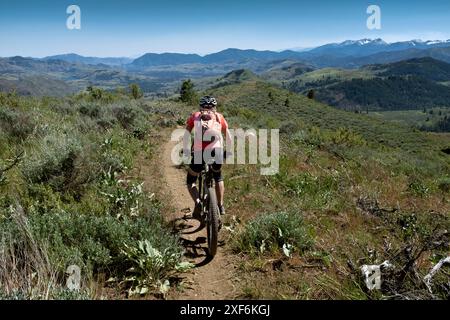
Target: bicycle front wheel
{"points": [[212, 222]]}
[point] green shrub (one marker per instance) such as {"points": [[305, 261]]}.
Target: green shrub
{"points": [[151, 266], [95, 93], [444, 184], [346, 137], [94, 243], [418, 187], [78, 206], [274, 232], [92, 110], [136, 91], [312, 191], [53, 158], [15, 123]]}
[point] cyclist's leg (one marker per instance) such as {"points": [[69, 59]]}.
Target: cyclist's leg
{"points": [[194, 171], [191, 181], [220, 186], [217, 175]]}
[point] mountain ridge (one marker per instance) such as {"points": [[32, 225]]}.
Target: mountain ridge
{"points": [[349, 53]]}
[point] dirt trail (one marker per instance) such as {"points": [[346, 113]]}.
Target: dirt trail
{"points": [[209, 279]]}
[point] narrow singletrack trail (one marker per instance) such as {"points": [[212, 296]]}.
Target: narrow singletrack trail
{"points": [[210, 279]]}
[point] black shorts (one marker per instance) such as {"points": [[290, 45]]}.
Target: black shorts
{"points": [[217, 161]]}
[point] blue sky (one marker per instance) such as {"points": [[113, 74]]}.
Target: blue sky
{"points": [[133, 27]]}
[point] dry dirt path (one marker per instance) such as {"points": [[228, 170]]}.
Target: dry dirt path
{"points": [[210, 279]]}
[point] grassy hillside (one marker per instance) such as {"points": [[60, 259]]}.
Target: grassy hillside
{"points": [[442, 54], [35, 86], [391, 93], [427, 68], [405, 85], [435, 119], [286, 70], [58, 78], [68, 195], [351, 190]]}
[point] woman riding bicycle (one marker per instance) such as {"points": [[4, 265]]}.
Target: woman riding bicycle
{"points": [[208, 147]]}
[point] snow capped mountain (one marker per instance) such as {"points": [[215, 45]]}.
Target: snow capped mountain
{"points": [[352, 47], [361, 42], [433, 42], [365, 47]]}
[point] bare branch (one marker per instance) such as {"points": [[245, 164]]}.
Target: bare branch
{"points": [[14, 162]]}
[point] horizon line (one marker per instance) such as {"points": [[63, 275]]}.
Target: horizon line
{"points": [[295, 49]]}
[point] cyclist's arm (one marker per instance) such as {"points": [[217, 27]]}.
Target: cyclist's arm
{"points": [[228, 137], [187, 135]]}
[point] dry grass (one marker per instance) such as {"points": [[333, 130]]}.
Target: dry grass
{"points": [[24, 263]]}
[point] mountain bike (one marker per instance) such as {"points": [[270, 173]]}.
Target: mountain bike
{"points": [[210, 210]]}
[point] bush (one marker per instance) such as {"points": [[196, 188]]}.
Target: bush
{"points": [[346, 137], [79, 208], [92, 110], [444, 185], [312, 191], [151, 266], [274, 232], [53, 241], [136, 91], [95, 242], [15, 123], [53, 158], [95, 93], [417, 187], [133, 119]]}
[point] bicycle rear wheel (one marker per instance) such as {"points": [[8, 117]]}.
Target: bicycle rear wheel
{"points": [[212, 222]]}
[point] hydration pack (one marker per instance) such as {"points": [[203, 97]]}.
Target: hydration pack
{"points": [[210, 120]]}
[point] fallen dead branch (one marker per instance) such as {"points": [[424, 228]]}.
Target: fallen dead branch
{"points": [[427, 279]]}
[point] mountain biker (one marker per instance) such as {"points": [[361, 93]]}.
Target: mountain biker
{"points": [[208, 146]]}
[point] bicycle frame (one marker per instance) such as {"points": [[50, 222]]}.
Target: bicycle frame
{"points": [[205, 181]]}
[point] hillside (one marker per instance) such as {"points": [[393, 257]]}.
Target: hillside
{"points": [[351, 190], [409, 84], [347, 186], [153, 59], [427, 68], [36, 86], [348, 54], [75, 58], [311, 113], [58, 78], [389, 57], [391, 93], [159, 74], [285, 70], [367, 47], [28, 65]]}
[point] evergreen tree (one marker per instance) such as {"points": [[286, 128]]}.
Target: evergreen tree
{"points": [[136, 91], [187, 92], [287, 103]]}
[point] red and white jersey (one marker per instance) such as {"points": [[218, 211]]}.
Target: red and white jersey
{"points": [[208, 128]]}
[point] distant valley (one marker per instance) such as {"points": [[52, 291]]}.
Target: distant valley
{"points": [[353, 75]]}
